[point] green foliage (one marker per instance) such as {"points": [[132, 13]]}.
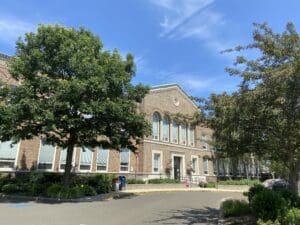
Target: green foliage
{"points": [[269, 205], [10, 188], [211, 185], [256, 189], [239, 182], [263, 116], [72, 92], [269, 222], [292, 217], [135, 181], [233, 207], [101, 183], [87, 190], [202, 184], [163, 181], [54, 190]]}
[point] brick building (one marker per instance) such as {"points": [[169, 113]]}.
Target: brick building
{"points": [[175, 149]]}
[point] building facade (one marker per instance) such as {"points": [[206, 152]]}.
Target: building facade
{"points": [[176, 149]]}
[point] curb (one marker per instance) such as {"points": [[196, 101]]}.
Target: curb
{"points": [[181, 190]]}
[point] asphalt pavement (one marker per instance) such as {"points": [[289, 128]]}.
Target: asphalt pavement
{"points": [[151, 208]]}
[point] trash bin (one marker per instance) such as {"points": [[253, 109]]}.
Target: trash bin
{"points": [[122, 182]]}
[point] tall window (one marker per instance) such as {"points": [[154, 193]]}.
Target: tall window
{"points": [[102, 159], [124, 160], [205, 165], [63, 158], [86, 155], [204, 142], [192, 136], [183, 134], [174, 132], [166, 129], [46, 156], [8, 153], [195, 165], [156, 162], [155, 126], [215, 166]]}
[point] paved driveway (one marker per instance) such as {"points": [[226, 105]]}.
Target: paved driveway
{"points": [[151, 208]]}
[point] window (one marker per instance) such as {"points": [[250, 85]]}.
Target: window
{"points": [[124, 160], [102, 159], [63, 158], [86, 155], [174, 132], [156, 162], [8, 153], [166, 129], [183, 134], [204, 142], [192, 137], [195, 165], [205, 165], [155, 126], [215, 165], [46, 156]]}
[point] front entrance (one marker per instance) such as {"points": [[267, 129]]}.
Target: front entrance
{"points": [[177, 169]]}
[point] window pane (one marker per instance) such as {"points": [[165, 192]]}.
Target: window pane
{"points": [[174, 132], [192, 136], [205, 165], [156, 162], [155, 126], [63, 158], [8, 153], [102, 158], [124, 159], [46, 156], [166, 128], [194, 163], [183, 134], [85, 158]]}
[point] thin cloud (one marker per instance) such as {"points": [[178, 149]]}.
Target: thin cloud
{"points": [[12, 29]]}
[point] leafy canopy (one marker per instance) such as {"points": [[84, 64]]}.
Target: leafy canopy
{"points": [[71, 92]]}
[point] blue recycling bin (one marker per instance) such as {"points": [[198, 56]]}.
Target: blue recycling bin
{"points": [[122, 182]]}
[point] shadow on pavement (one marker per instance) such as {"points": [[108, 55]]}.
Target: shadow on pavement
{"points": [[206, 215]]}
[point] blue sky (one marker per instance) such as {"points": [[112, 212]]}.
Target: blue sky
{"points": [[174, 41]]}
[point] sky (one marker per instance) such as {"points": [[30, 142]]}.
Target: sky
{"points": [[173, 41]]}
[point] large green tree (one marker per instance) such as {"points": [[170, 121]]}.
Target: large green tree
{"points": [[71, 93], [263, 117]]}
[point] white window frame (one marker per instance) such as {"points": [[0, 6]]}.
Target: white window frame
{"points": [[161, 161], [107, 160], [53, 161], [156, 137], [196, 172], [91, 164], [73, 160], [189, 136], [205, 159], [165, 139], [16, 159], [180, 134], [129, 155]]}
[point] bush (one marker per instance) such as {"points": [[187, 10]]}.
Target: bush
{"points": [[211, 185], [269, 222], [256, 189], [234, 207], [134, 181], [203, 184], [292, 217], [101, 183], [72, 192], [240, 182], [163, 181], [269, 205], [10, 188], [53, 191], [87, 190]]}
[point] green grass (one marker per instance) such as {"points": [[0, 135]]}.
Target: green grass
{"points": [[239, 182], [163, 181]]}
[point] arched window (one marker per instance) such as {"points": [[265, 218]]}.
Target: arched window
{"points": [[174, 132], [155, 126], [166, 129]]}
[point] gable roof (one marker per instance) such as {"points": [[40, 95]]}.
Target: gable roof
{"points": [[174, 85]]}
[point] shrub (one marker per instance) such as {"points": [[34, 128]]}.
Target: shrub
{"points": [[292, 217], [211, 185], [134, 181], [72, 192], [163, 181], [233, 207], [256, 189], [10, 188], [240, 182], [269, 205], [269, 222], [203, 184], [101, 183], [87, 190], [54, 190]]}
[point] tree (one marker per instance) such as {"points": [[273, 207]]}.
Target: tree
{"points": [[71, 93], [263, 116]]}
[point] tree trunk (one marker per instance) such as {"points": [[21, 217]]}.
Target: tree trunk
{"points": [[68, 166], [294, 179]]}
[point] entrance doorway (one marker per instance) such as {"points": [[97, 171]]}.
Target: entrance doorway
{"points": [[177, 167]]}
